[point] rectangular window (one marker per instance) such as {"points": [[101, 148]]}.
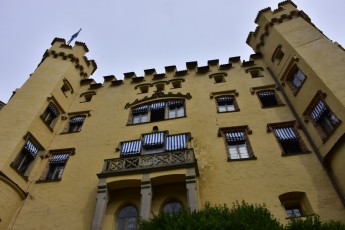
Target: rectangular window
{"points": [[176, 142], [289, 140], [153, 143], [140, 115], [268, 98], [130, 148], [50, 115], [175, 109], [158, 111], [57, 165], [324, 119], [238, 145], [226, 104], [26, 157], [295, 79], [75, 124], [293, 211]]}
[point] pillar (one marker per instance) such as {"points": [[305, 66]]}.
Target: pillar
{"points": [[192, 197], [101, 205], [146, 197]]}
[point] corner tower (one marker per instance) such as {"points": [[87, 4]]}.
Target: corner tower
{"points": [[46, 96]]}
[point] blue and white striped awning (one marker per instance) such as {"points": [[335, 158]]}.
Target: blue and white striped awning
{"points": [[319, 109], [175, 103], [235, 136], [52, 108], [284, 134], [153, 139], [59, 158], [77, 120], [131, 148], [31, 148], [176, 142], [225, 99], [141, 109], [266, 93], [157, 106]]}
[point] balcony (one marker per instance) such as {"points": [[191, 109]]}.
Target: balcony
{"points": [[149, 163]]}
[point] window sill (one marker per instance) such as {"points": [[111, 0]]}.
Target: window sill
{"points": [[47, 181], [275, 106], [148, 122], [69, 132], [237, 110], [19, 173], [303, 217], [242, 159], [294, 154]]}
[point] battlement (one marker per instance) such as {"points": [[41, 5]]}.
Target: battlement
{"points": [[267, 18], [75, 54]]}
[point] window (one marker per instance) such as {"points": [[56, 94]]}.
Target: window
{"points": [[144, 89], [324, 119], [278, 55], [176, 83], [219, 78], [127, 218], [172, 207], [288, 138], [295, 79], [158, 111], [226, 104], [57, 164], [75, 123], [87, 96], [50, 115], [295, 204], [255, 73], [66, 88], [237, 143], [26, 157], [268, 98], [152, 143], [160, 87]]}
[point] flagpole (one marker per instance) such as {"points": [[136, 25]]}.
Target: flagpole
{"points": [[73, 37]]}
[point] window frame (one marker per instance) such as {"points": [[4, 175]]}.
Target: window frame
{"points": [[23, 155], [235, 130], [172, 201], [278, 55], [276, 98], [295, 200], [291, 76], [288, 125], [49, 116], [150, 113], [313, 109], [234, 104], [125, 226]]}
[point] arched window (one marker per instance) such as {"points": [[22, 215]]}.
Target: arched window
{"points": [[173, 207], [127, 218]]}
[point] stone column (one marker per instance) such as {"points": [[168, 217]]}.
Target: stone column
{"points": [[192, 196], [146, 197], [101, 205]]}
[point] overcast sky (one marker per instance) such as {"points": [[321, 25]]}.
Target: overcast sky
{"points": [[133, 35]]}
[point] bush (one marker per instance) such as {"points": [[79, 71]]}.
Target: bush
{"points": [[241, 216], [313, 223]]}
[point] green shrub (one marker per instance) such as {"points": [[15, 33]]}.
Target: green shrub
{"points": [[313, 223]]}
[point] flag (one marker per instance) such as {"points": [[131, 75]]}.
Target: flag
{"points": [[73, 37]]}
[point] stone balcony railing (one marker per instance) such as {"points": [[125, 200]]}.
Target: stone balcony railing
{"points": [[147, 163]]}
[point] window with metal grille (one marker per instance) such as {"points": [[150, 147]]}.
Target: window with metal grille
{"points": [[26, 156], [268, 98], [50, 115], [324, 119], [226, 104]]}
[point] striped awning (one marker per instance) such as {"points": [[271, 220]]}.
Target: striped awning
{"points": [[266, 93], [77, 120], [319, 109], [141, 109], [131, 148], [157, 106], [284, 134], [31, 148], [154, 139], [59, 158], [176, 103], [225, 99], [176, 142], [52, 108], [235, 136]]}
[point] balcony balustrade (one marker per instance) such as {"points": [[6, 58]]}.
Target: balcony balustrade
{"points": [[149, 162]]}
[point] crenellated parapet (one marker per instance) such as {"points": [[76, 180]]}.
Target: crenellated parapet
{"points": [[75, 55], [267, 19]]}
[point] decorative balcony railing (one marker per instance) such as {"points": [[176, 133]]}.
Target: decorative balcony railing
{"points": [[151, 162]]}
